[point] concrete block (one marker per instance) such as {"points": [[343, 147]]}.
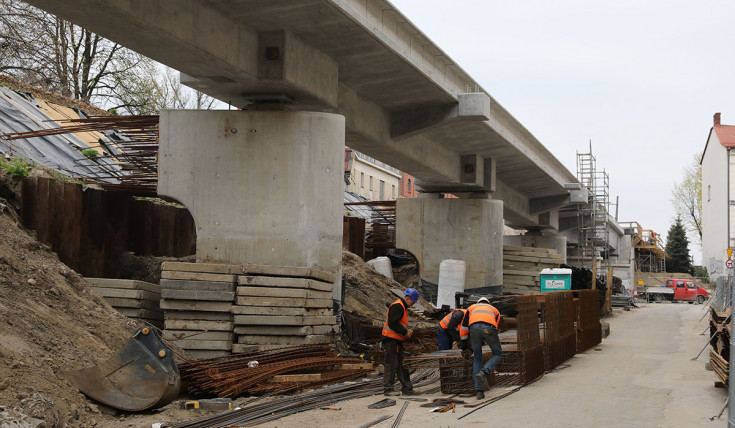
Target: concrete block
{"points": [[284, 340], [288, 271], [216, 296], [283, 292], [198, 325], [141, 313], [198, 276], [197, 315], [298, 320], [474, 106], [283, 330], [123, 283], [283, 302], [275, 281], [121, 302], [198, 335], [266, 310], [127, 293], [219, 268], [202, 354], [211, 345], [195, 305], [180, 284], [239, 348]]}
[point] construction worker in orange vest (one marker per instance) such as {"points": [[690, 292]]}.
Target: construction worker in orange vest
{"points": [[480, 326], [448, 330], [395, 332]]}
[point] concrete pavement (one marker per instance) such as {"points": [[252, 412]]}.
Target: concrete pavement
{"points": [[642, 376]]}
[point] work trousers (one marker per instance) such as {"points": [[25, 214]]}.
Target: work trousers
{"points": [[484, 333], [393, 366], [445, 340]]}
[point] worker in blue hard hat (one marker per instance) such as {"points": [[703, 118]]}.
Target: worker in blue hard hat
{"points": [[395, 332]]}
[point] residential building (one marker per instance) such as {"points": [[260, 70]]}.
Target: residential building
{"points": [[370, 178], [718, 197]]}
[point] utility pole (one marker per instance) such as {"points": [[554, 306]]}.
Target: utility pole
{"points": [[731, 384]]}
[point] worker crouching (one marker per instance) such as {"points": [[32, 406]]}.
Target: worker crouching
{"points": [[395, 332], [480, 326], [448, 330]]}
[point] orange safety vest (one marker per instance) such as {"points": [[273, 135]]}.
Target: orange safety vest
{"points": [[387, 332], [445, 321], [480, 312]]}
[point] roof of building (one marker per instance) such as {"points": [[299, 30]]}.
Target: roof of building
{"points": [[726, 135]]}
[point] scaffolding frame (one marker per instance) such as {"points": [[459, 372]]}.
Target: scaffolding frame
{"points": [[592, 218]]}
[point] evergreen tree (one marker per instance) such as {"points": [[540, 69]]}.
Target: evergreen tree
{"points": [[677, 249]]}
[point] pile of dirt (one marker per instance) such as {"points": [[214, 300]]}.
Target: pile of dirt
{"points": [[367, 292], [50, 322]]}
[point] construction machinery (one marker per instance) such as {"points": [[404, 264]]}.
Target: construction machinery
{"points": [[143, 375]]}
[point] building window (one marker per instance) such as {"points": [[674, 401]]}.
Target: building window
{"points": [[382, 190], [709, 189], [409, 186], [371, 182], [393, 192], [362, 180]]}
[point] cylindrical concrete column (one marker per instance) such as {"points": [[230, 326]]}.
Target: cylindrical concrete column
{"points": [[263, 187], [462, 229]]}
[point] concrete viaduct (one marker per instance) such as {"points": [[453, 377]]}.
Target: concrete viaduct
{"points": [[264, 184]]}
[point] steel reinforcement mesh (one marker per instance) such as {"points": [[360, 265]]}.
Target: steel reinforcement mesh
{"points": [[457, 377], [589, 328], [520, 367], [549, 311], [560, 350], [527, 322]]}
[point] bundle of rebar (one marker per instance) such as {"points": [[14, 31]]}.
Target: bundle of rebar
{"points": [[235, 375], [129, 163], [256, 414]]}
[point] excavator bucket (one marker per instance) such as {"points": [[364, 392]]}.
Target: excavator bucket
{"points": [[143, 375]]}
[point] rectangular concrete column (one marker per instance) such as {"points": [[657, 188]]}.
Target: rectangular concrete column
{"points": [[461, 229]]}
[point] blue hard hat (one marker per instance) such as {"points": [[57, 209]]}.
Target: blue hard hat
{"points": [[412, 293]]}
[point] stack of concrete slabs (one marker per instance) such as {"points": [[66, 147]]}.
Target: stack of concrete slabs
{"points": [[197, 301], [132, 298]]}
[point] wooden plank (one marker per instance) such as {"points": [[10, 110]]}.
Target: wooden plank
{"points": [[180, 284], [198, 276], [281, 292], [216, 296], [276, 281], [283, 302], [195, 305], [267, 310], [309, 377], [199, 325], [531, 272], [356, 366], [299, 320]]}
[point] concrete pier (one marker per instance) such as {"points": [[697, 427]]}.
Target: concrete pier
{"points": [[461, 229]]}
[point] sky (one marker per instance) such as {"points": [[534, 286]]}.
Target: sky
{"points": [[639, 80]]}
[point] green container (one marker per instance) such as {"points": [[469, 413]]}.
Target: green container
{"points": [[556, 279]]}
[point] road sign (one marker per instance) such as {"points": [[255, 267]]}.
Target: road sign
{"points": [[729, 264], [729, 253]]}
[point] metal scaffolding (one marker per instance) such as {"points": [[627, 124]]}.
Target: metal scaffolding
{"points": [[592, 218]]}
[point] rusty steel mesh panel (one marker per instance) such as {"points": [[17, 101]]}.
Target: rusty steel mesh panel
{"points": [[519, 367], [589, 328], [549, 310], [457, 377], [527, 322], [568, 312], [559, 350]]}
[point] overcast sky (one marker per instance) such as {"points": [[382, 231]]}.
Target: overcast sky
{"points": [[640, 79]]}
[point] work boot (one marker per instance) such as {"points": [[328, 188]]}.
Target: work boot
{"points": [[408, 392], [389, 393], [480, 395], [481, 377]]}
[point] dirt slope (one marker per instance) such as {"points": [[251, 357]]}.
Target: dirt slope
{"points": [[50, 322]]}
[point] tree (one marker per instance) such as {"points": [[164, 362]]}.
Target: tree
{"points": [[677, 249], [688, 197], [43, 50]]}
